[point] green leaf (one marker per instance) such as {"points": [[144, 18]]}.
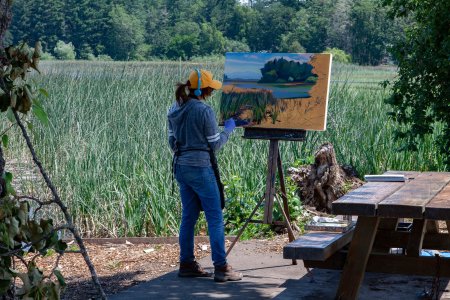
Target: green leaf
{"points": [[10, 115], [5, 140], [40, 114], [29, 125], [60, 277], [8, 177], [43, 92]]}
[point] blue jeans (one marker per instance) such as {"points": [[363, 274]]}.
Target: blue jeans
{"points": [[201, 182]]}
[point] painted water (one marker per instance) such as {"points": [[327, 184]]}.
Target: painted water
{"points": [[279, 90]]}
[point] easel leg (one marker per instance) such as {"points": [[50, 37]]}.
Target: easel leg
{"points": [[285, 207], [244, 226], [270, 181], [288, 226]]}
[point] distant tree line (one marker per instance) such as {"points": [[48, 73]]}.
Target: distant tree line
{"points": [[173, 29]]}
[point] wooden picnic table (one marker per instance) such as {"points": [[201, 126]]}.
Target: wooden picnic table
{"points": [[424, 198]]}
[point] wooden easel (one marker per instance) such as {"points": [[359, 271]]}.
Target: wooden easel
{"points": [[274, 165]]}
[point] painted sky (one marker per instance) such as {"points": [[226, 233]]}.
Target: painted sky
{"points": [[248, 65]]}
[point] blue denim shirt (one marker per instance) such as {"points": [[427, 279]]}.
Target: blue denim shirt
{"points": [[193, 126]]}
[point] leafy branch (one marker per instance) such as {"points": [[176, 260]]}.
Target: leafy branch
{"points": [[19, 232]]}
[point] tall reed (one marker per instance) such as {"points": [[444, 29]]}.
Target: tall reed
{"points": [[106, 146]]}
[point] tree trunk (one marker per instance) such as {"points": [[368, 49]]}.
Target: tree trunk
{"points": [[324, 181]]}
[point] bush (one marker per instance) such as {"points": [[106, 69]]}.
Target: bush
{"points": [[339, 55], [47, 56], [64, 51]]}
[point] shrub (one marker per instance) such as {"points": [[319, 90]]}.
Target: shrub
{"points": [[64, 51], [47, 56], [339, 55]]}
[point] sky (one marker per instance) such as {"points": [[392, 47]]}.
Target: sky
{"points": [[248, 65]]}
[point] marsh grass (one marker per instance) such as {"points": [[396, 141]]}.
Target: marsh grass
{"points": [[106, 148]]}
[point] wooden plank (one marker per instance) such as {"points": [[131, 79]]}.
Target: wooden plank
{"points": [[416, 237], [410, 200], [355, 265], [317, 245], [389, 263], [274, 134], [439, 207], [398, 239], [364, 200]]}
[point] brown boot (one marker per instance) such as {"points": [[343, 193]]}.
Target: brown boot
{"points": [[192, 269], [226, 273]]}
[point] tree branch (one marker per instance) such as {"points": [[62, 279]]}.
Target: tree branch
{"points": [[64, 209]]}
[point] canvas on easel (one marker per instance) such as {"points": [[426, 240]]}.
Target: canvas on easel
{"points": [[276, 90], [275, 96]]}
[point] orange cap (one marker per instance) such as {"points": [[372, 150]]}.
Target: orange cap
{"points": [[206, 80]]}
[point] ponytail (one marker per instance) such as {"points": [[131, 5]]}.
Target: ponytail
{"points": [[180, 93], [182, 97]]}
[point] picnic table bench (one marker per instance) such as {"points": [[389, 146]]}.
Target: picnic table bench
{"points": [[423, 198]]}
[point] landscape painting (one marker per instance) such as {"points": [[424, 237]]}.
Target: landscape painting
{"points": [[276, 90]]}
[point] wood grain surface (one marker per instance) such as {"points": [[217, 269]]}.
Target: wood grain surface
{"points": [[410, 200], [364, 200], [439, 207]]}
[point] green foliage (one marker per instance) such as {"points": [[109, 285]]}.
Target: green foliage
{"points": [[64, 51], [421, 94], [126, 34], [239, 205], [145, 30], [339, 55], [371, 31], [290, 44], [47, 56], [15, 91], [20, 232], [115, 186], [296, 211]]}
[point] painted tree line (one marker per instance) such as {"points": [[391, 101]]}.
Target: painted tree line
{"points": [[173, 29]]}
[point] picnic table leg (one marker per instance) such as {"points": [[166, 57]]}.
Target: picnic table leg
{"points": [[416, 237], [358, 255]]}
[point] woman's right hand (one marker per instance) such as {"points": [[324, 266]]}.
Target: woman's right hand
{"points": [[229, 125]]}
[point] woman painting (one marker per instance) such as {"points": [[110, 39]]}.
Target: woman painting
{"points": [[194, 137]]}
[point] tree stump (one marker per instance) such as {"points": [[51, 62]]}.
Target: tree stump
{"points": [[324, 181]]}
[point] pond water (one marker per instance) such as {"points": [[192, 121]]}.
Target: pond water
{"points": [[280, 91]]}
